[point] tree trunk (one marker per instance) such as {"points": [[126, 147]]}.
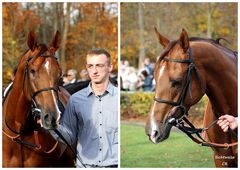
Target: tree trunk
{"points": [[209, 21], [64, 36], [210, 10], [141, 35], [94, 28]]}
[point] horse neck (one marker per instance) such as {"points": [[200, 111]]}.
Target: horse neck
{"points": [[219, 72], [16, 106]]}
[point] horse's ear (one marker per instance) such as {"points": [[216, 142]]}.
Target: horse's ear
{"points": [[162, 40], [55, 44], [184, 41], [32, 40]]}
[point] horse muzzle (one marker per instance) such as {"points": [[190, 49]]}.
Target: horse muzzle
{"points": [[49, 120], [160, 133]]}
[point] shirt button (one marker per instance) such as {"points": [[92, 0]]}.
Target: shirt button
{"points": [[100, 112], [100, 137], [99, 161], [100, 149], [100, 100], [100, 124]]}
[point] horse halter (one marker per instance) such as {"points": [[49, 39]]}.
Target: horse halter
{"points": [[188, 83]]}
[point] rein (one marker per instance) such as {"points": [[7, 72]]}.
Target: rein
{"points": [[179, 122], [65, 141], [190, 130]]}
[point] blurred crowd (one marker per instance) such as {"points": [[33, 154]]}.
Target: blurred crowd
{"points": [[72, 75], [137, 80]]}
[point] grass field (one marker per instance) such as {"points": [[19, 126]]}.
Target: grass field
{"points": [[177, 151]]}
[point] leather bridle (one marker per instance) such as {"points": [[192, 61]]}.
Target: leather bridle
{"points": [[34, 109], [190, 130], [190, 70]]}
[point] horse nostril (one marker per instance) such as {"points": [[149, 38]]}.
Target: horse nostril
{"points": [[154, 134], [46, 117]]}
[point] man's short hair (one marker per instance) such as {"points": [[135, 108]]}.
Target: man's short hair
{"points": [[99, 51]]}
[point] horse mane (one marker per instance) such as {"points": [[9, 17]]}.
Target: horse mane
{"points": [[44, 48], [191, 39], [215, 43]]}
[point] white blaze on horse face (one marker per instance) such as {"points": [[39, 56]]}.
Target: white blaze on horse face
{"points": [[162, 70], [47, 65], [154, 126], [56, 106]]}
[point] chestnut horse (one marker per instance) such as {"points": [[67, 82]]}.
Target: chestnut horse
{"points": [[186, 70], [30, 109]]}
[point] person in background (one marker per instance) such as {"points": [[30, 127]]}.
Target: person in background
{"points": [[148, 79], [65, 80], [84, 75], [132, 79], [71, 75], [124, 68]]}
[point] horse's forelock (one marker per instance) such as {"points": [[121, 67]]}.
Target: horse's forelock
{"points": [[43, 49]]}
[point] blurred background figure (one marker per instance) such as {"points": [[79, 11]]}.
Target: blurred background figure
{"points": [[65, 80], [132, 79], [149, 76], [124, 68], [114, 77], [71, 76], [83, 75]]}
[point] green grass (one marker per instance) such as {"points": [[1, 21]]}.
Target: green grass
{"points": [[177, 151]]}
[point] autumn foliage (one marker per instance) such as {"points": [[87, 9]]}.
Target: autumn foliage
{"points": [[83, 26]]}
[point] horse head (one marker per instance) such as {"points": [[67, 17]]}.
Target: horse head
{"points": [[177, 87], [39, 74]]}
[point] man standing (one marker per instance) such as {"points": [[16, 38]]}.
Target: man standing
{"points": [[91, 115]]}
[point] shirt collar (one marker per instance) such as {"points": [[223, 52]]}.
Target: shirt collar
{"points": [[110, 89]]}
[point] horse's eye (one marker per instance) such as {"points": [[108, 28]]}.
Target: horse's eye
{"points": [[32, 71], [176, 83]]}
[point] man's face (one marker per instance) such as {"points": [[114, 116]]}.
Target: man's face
{"points": [[98, 68]]}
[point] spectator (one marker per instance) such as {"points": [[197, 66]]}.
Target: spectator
{"points": [[148, 79], [65, 80], [114, 77], [132, 79], [71, 75], [84, 76], [124, 73]]}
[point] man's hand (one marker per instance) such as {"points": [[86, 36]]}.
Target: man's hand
{"points": [[226, 121]]}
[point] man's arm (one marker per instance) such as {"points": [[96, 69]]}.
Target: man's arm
{"points": [[68, 125]]}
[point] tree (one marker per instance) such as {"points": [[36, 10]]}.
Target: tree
{"points": [[141, 35]]}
